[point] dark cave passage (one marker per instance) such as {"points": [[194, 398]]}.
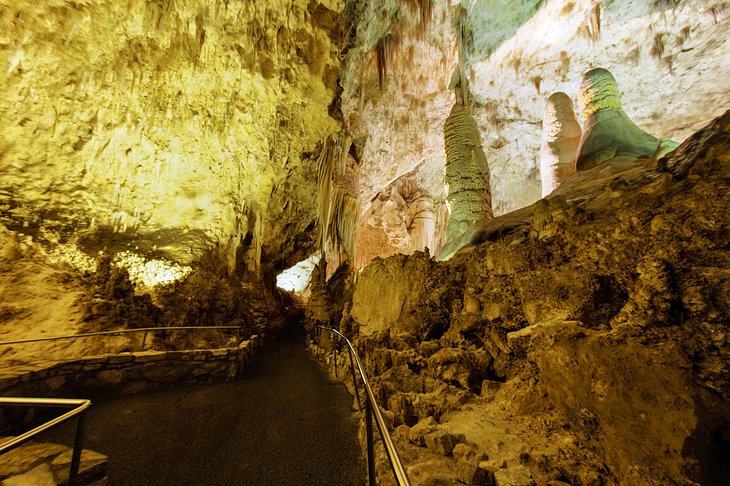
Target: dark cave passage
{"points": [[283, 422]]}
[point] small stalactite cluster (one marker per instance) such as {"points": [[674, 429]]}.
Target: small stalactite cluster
{"points": [[423, 7], [592, 27], [256, 233], [337, 203], [403, 16], [384, 54]]}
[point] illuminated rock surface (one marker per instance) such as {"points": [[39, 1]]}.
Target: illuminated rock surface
{"points": [[174, 125], [670, 58], [560, 140], [158, 166]]}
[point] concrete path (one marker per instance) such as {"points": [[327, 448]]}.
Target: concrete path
{"points": [[282, 423]]}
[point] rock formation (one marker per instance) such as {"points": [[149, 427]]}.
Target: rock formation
{"points": [[467, 172], [177, 139], [423, 226], [584, 341], [607, 131], [560, 140], [517, 54], [162, 122]]}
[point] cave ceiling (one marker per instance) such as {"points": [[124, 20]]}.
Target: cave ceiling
{"points": [[172, 127]]}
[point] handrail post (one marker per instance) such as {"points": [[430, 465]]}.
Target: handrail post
{"points": [[354, 383], [334, 358], [144, 338], [371, 443], [78, 447]]}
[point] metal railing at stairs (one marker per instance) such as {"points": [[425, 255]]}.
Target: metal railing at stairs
{"points": [[372, 409], [78, 409]]}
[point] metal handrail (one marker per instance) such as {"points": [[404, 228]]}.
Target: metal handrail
{"points": [[79, 408], [371, 408], [120, 331]]}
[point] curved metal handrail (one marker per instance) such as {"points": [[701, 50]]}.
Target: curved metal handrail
{"points": [[371, 408], [120, 331], [79, 408]]}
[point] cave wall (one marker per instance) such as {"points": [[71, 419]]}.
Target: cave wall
{"points": [[668, 57], [583, 339], [174, 125]]}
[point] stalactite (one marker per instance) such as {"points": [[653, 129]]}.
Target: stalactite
{"points": [[467, 172], [255, 233], [344, 211], [424, 8], [337, 204], [384, 55]]}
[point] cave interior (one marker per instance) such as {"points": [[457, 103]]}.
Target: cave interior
{"points": [[517, 211]]}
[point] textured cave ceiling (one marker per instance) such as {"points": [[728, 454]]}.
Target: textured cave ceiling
{"points": [[168, 127]]}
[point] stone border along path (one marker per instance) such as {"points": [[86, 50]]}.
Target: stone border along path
{"points": [[129, 372]]}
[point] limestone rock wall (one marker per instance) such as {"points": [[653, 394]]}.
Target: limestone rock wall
{"points": [[584, 339], [174, 124], [668, 58]]}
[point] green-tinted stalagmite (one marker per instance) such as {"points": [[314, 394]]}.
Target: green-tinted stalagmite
{"points": [[467, 172], [607, 131]]}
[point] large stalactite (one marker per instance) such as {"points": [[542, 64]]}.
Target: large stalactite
{"points": [[467, 173]]}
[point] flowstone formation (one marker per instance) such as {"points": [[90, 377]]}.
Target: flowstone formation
{"points": [[467, 172], [582, 340], [560, 140], [169, 126], [607, 131]]}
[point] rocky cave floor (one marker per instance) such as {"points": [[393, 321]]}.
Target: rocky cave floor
{"points": [[581, 340]]}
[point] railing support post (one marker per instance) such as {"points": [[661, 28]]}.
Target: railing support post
{"points": [[371, 442], [144, 338], [78, 447], [334, 358], [354, 383]]}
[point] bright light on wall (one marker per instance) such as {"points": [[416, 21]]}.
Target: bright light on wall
{"points": [[296, 278], [150, 273]]}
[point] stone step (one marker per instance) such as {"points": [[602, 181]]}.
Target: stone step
{"points": [[41, 464]]}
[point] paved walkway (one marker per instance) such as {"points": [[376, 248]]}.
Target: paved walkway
{"points": [[282, 423]]}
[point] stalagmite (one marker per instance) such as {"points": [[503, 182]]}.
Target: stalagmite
{"points": [[607, 131], [560, 140], [467, 172]]}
